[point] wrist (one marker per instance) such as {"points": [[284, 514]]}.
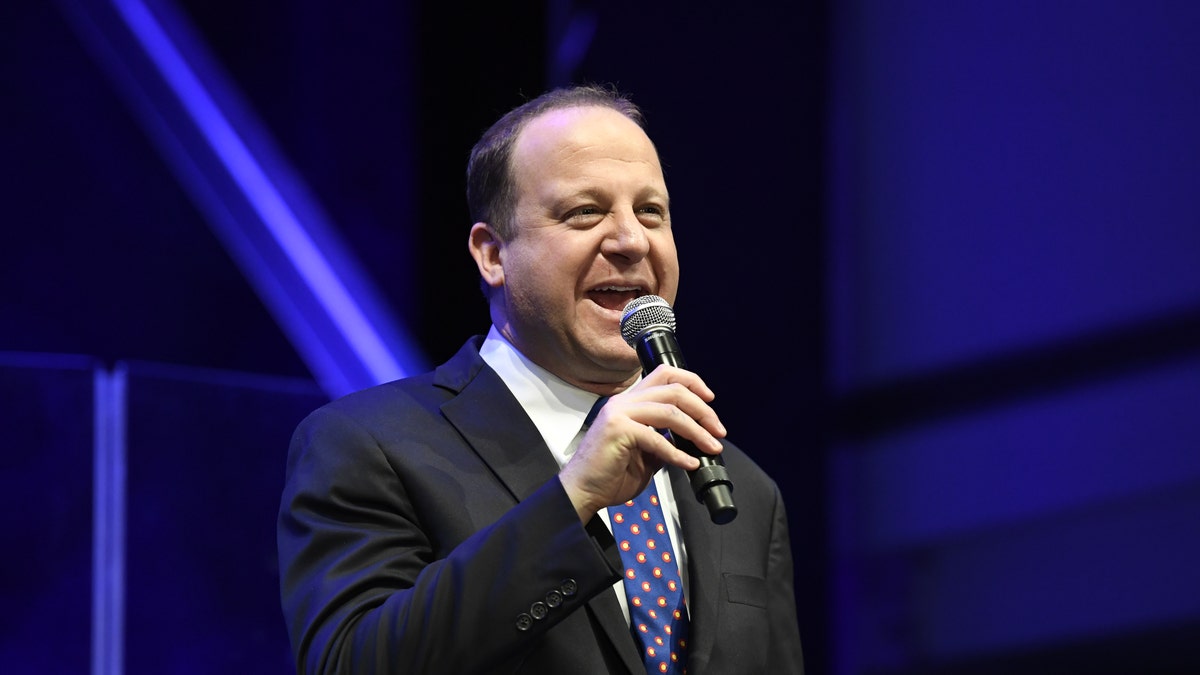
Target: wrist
{"points": [[586, 506]]}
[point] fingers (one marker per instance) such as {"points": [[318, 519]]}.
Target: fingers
{"points": [[625, 444], [656, 447], [655, 419], [675, 400], [664, 374]]}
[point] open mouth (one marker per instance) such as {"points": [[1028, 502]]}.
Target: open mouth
{"points": [[614, 297]]}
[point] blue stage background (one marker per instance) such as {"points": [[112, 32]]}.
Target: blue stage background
{"points": [[952, 245]]}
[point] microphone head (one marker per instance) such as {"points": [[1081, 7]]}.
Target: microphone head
{"points": [[643, 314]]}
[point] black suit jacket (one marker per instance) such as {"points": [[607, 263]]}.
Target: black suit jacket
{"points": [[423, 519]]}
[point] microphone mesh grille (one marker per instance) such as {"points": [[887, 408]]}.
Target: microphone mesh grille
{"points": [[644, 313]]}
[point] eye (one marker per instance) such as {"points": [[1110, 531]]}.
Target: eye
{"points": [[585, 215], [652, 214]]}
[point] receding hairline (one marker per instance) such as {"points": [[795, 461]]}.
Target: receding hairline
{"points": [[570, 127], [571, 111], [490, 195]]}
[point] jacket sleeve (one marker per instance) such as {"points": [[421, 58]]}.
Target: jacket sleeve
{"points": [[361, 588], [785, 654]]}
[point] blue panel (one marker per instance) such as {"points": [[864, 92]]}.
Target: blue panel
{"points": [[1107, 442], [1014, 184], [1051, 520], [1085, 576], [205, 459], [46, 513], [1010, 174]]}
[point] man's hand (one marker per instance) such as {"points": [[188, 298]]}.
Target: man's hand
{"points": [[623, 448]]}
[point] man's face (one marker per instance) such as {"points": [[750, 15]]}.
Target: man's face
{"points": [[592, 231]]}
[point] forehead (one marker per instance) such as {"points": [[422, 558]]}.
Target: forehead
{"points": [[568, 140]]}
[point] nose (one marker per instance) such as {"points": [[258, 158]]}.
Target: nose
{"points": [[626, 238]]}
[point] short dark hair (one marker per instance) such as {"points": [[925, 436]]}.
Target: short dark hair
{"points": [[491, 196]]}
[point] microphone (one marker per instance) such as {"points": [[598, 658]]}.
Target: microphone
{"points": [[648, 325]]}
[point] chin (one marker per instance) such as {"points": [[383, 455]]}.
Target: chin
{"points": [[626, 362]]}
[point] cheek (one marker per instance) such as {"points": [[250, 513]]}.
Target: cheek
{"points": [[538, 284], [666, 267]]}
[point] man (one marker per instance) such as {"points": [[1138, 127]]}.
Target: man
{"points": [[457, 522]]}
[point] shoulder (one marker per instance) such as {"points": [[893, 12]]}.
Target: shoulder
{"points": [[753, 489], [375, 429], [737, 460], [415, 396]]}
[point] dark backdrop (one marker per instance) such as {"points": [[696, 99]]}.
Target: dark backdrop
{"points": [[938, 264], [377, 106]]}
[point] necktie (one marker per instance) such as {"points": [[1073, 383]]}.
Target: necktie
{"points": [[657, 616]]}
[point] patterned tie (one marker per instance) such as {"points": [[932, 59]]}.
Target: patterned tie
{"points": [[657, 616]]}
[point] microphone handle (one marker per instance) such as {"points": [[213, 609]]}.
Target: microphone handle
{"points": [[711, 481]]}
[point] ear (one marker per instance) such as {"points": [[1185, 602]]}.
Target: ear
{"points": [[485, 248]]}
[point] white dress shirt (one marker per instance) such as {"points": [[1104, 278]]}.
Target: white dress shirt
{"points": [[558, 410]]}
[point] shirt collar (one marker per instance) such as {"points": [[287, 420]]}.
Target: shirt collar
{"points": [[556, 408]]}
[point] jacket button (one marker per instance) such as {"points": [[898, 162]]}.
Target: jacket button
{"points": [[568, 587], [524, 622], [554, 599], [539, 610]]}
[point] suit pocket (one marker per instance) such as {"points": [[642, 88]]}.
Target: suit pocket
{"points": [[746, 590], [743, 626]]}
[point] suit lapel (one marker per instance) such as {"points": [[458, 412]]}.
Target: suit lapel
{"points": [[494, 424], [703, 541]]}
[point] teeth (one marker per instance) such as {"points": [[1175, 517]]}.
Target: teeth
{"points": [[619, 289]]}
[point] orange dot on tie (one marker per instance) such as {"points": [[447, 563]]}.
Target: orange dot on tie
{"points": [[650, 544], [662, 667], [654, 615], [642, 627], [641, 557], [637, 602], [629, 503], [661, 528], [657, 572], [658, 641], [666, 556], [630, 573], [678, 614], [619, 518], [625, 545], [646, 586], [662, 602], [645, 515], [683, 644], [650, 651], [635, 529], [671, 585], [667, 629], [674, 656]]}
